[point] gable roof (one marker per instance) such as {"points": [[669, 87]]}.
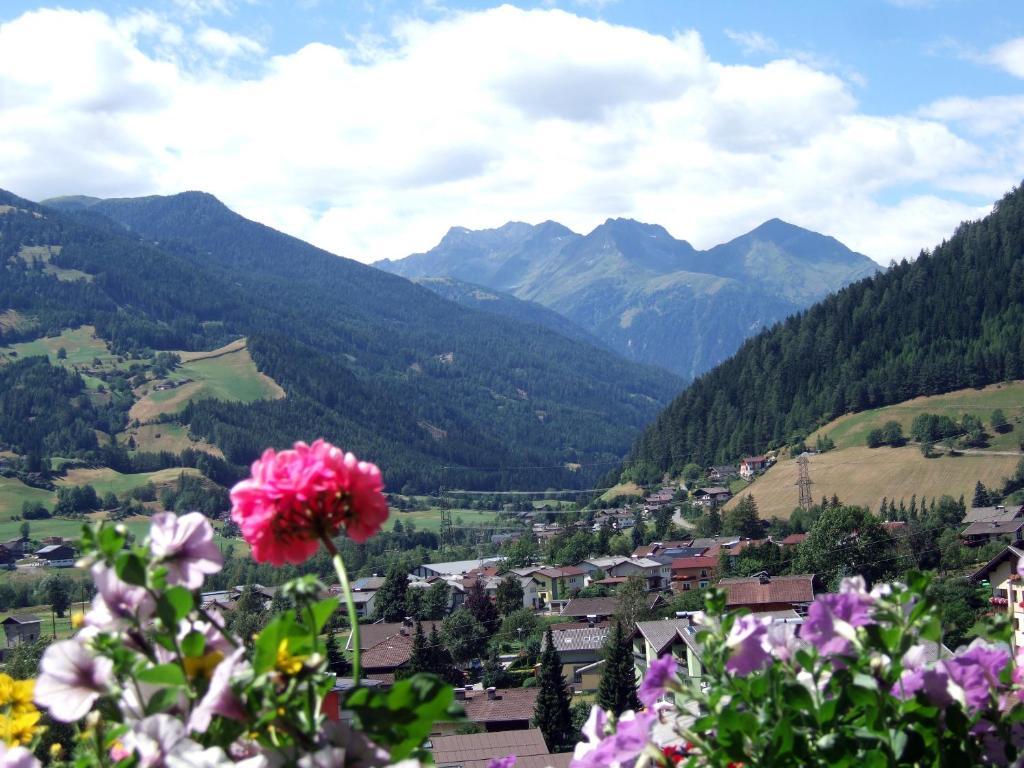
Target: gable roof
{"points": [[776, 589], [389, 653], [1011, 553], [580, 639], [713, 490], [372, 634], [698, 561], [993, 529], [600, 606], [507, 704], [993, 514], [794, 538], [661, 634], [22, 618], [484, 746]]}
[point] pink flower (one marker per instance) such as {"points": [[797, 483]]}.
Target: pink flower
{"points": [[71, 678], [296, 497], [185, 546]]}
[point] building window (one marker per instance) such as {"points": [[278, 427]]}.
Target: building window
{"points": [[686, 586], [703, 584]]}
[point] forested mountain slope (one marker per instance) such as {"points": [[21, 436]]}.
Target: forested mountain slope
{"points": [[951, 319], [437, 393], [641, 291]]}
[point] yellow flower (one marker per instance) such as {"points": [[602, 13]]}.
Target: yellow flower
{"points": [[55, 750], [77, 620], [203, 666], [18, 730], [21, 696], [6, 689], [286, 662]]}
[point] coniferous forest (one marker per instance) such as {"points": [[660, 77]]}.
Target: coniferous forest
{"points": [[953, 318]]}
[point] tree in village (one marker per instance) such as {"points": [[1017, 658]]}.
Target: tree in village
{"points": [[999, 422], [435, 601], [710, 523], [982, 497], [441, 662], [663, 522], [510, 595], [551, 713], [336, 661], [391, 599], [846, 540], [463, 636], [633, 601], [617, 690], [479, 604], [604, 537], [58, 593], [639, 533], [742, 520]]}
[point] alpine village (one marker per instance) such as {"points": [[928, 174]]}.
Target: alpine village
{"points": [[535, 495]]}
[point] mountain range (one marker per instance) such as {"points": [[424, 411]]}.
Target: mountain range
{"points": [[437, 393], [951, 319], [643, 293]]}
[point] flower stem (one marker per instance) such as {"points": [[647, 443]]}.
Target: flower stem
{"points": [[353, 620]]}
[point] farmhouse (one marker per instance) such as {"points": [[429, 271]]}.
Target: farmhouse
{"points": [[721, 473], [693, 572], [983, 532], [581, 652], [505, 709], [712, 496], [57, 555], [996, 514], [453, 568], [763, 593], [753, 465]]}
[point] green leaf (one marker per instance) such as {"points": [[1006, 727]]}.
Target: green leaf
{"points": [[193, 645], [162, 700], [322, 611], [110, 541], [283, 627], [130, 569], [162, 674], [401, 718], [174, 605]]}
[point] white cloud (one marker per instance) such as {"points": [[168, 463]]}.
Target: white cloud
{"points": [[752, 43], [375, 148], [226, 45], [1009, 56]]}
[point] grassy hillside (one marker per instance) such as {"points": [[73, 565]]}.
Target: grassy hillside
{"points": [[430, 519], [107, 480], [861, 475], [14, 493], [228, 374], [852, 429], [171, 437]]}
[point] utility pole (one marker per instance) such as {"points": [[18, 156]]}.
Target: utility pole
{"points": [[804, 482], [446, 531]]}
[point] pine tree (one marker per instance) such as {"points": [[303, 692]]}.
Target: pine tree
{"points": [[390, 600], [421, 659], [551, 713], [639, 530], [336, 661], [981, 496], [510, 595], [617, 690], [480, 605]]}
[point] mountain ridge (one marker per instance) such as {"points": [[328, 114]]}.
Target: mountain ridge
{"points": [[644, 293]]}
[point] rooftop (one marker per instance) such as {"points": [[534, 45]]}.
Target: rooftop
{"points": [[759, 590], [22, 618], [507, 704], [371, 634], [698, 561], [661, 634], [460, 567], [599, 606], [582, 639], [990, 514], [993, 529]]}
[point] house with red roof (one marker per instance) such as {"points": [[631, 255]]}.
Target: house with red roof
{"points": [[753, 465], [696, 572]]}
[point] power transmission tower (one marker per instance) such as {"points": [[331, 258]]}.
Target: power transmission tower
{"points": [[804, 483], [446, 532]]}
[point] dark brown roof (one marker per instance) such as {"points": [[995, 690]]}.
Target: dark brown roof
{"points": [[371, 634], [993, 529], [777, 589], [484, 746], [22, 618], [599, 606], [389, 653], [507, 704]]}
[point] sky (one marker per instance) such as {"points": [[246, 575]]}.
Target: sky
{"points": [[371, 127]]}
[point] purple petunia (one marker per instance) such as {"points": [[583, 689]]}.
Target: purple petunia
{"points": [[116, 603], [508, 761], [619, 749], [969, 678], [832, 620], [219, 698], [17, 757], [70, 679], [747, 643], [660, 675], [185, 546]]}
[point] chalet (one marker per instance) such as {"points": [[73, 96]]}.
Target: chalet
{"points": [[581, 652], [753, 465], [57, 555], [656, 574], [763, 593], [601, 607], [22, 628], [478, 750], [655, 548], [660, 498], [996, 514], [713, 496], [721, 474], [693, 572], [653, 639], [365, 602], [999, 569], [453, 568], [984, 532], [793, 540], [387, 650], [20, 546], [505, 709]]}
